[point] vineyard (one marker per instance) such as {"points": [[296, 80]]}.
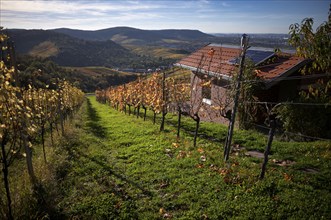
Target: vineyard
{"points": [[25, 116], [143, 150], [157, 93], [112, 165], [163, 92], [115, 166]]}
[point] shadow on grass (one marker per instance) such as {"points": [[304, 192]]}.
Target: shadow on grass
{"points": [[117, 175], [94, 121]]}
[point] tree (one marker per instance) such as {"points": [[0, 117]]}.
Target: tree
{"points": [[314, 46]]}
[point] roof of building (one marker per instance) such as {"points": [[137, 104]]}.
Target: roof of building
{"points": [[221, 61]]}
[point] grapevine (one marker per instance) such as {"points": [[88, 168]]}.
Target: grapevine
{"points": [[155, 93], [24, 114]]}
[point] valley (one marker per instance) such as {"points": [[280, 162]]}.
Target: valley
{"points": [[102, 58], [126, 47]]}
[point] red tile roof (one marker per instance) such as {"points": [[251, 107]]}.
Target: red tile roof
{"points": [[216, 60], [211, 59], [280, 65]]}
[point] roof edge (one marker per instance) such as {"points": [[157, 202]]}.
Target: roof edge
{"points": [[271, 82], [209, 73]]}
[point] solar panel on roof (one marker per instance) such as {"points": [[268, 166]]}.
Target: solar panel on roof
{"points": [[257, 56]]}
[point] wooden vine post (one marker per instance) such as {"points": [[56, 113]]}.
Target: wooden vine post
{"points": [[244, 45], [164, 101], [272, 125]]}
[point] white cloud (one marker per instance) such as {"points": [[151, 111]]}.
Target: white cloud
{"points": [[137, 16], [73, 6], [225, 4], [204, 1], [205, 15], [47, 14]]}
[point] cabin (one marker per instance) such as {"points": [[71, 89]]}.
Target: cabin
{"points": [[213, 67]]}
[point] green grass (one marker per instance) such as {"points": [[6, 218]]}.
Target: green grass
{"points": [[114, 166], [120, 167]]}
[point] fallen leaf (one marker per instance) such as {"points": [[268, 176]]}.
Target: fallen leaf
{"points": [[199, 165], [181, 154], [287, 177], [162, 210], [175, 145], [224, 171], [200, 150]]}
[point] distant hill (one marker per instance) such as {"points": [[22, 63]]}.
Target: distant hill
{"points": [[169, 44], [124, 47], [172, 43], [69, 51], [128, 35]]}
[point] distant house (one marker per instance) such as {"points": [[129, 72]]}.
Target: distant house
{"points": [[215, 65]]}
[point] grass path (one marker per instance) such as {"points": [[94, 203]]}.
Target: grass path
{"points": [[117, 166]]}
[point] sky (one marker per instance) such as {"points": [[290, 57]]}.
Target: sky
{"points": [[209, 16]]}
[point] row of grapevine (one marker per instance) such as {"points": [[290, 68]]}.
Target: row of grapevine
{"points": [[160, 93], [24, 115], [156, 93]]}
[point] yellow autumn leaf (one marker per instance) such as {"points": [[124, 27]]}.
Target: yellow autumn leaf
{"points": [[175, 145], [200, 150], [162, 210]]}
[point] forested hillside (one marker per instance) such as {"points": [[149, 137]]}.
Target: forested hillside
{"points": [[125, 35], [124, 47], [68, 51], [188, 40], [40, 72]]}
